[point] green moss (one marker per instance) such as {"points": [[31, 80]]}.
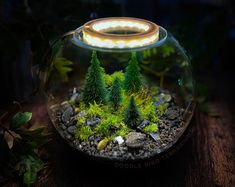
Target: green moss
{"points": [[81, 121], [162, 108], [82, 106], [95, 110], [113, 119], [129, 101], [120, 75], [84, 133], [109, 79], [123, 131], [103, 128], [152, 127], [107, 121], [149, 112]]}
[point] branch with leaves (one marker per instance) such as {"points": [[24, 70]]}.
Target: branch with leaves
{"points": [[19, 148]]}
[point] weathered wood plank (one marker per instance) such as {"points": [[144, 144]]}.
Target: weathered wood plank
{"points": [[221, 136], [199, 169], [213, 149], [207, 159]]}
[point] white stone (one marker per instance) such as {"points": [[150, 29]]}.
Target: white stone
{"points": [[119, 140]]}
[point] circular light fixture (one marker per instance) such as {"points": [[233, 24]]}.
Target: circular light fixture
{"points": [[120, 32]]}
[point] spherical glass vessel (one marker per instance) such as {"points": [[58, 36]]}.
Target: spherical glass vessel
{"points": [[119, 89]]}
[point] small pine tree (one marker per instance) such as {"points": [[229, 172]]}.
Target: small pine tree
{"points": [[115, 97], [132, 82], [132, 115], [94, 85]]}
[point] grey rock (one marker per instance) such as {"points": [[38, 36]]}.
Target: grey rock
{"points": [[172, 114], [143, 124], [74, 90], [72, 129], [67, 113], [163, 98], [75, 98], [82, 114], [63, 127], [119, 140], [66, 106], [79, 115], [93, 122], [167, 98], [135, 140], [68, 136], [155, 136], [160, 101], [115, 153], [54, 108]]}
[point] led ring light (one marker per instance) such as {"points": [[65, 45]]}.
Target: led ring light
{"points": [[97, 32]]}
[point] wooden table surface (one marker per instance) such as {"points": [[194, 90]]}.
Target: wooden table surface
{"points": [[207, 159]]}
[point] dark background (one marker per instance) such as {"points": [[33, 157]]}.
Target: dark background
{"points": [[206, 29]]}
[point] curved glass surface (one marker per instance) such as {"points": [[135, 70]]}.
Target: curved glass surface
{"points": [[123, 104]]}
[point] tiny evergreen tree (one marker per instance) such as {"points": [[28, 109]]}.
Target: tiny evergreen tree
{"points": [[132, 115], [94, 86], [115, 97], [132, 82]]}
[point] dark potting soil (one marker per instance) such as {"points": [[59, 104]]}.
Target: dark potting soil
{"points": [[136, 145]]}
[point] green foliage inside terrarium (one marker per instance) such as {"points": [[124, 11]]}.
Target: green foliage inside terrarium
{"points": [[127, 105], [121, 103], [116, 104]]}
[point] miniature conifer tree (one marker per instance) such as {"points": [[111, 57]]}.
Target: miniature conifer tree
{"points": [[132, 115], [132, 82], [94, 87], [115, 97]]}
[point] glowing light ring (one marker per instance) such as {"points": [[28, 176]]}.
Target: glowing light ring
{"points": [[95, 32]]}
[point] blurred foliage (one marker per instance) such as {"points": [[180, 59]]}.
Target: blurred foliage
{"points": [[158, 61], [19, 148], [63, 67], [20, 118], [32, 165]]}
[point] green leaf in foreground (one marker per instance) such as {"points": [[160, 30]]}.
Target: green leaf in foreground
{"points": [[34, 137], [20, 118], [32, 165]]}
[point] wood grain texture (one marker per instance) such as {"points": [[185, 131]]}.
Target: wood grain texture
{"points": [[207, 158]]}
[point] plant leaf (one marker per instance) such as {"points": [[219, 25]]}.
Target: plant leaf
{"points": [[62, 65], [32, 166], [34, 137], [20, 118], [9, 137]]}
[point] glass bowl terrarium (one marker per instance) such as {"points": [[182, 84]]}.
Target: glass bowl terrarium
{"points": [[119, 89]]}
